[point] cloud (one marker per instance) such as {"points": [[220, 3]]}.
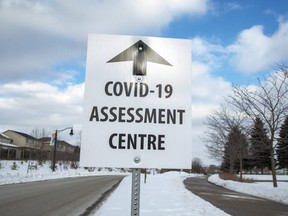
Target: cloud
{"points": [[254, 51], [27, 105], [209, 52], [208, 90], [232, 6], [37, 35], [207, 93], [43, 45]]}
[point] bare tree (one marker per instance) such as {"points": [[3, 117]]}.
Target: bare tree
{"points": [[269, 102], [197, 166], [219, 126], [215, 136], [38, 133]]}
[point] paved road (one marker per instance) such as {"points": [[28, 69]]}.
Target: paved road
{"points": [[234, 203], [71, 196]]}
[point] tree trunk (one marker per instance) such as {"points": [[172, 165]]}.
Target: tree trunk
{"points": [[231, 168], [241, 168], [273, 167]]}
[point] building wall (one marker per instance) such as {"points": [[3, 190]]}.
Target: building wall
{"points": [[18, 139], [4, 139], [23, 141]]}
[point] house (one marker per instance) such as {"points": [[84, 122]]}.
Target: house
{"points": [[18, 145], [25, 146], [7, 149], [62, 146], [5, 139], [23, 140]]}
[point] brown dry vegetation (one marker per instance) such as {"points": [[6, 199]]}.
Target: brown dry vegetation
{"points": [[234, 177]]}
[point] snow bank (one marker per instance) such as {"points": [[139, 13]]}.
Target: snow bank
{"points": [[264, 190], [12, 172]]}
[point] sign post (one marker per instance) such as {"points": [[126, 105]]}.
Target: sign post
{"points": [[137, 104], [135, 194]]}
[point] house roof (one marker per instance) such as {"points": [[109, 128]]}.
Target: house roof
{"points": [[3, 136], [23, 134], [8, 145], [42, 139], [62, 142]]}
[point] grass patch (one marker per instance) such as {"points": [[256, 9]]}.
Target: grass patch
{"points": [[234, 177]]}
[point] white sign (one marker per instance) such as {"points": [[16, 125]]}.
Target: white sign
{"points": [[137, 106]]}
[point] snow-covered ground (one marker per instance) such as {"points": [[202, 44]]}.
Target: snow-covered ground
{"points": [[18, 172], [259, 189], [163, 194]]}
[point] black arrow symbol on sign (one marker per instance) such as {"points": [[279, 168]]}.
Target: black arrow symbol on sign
{"points": [[139, 53]]}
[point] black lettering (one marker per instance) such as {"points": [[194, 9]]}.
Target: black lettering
{"points": [[144, 89], [128, 89], [150, 116], [171, 116], [121, 114], [132, 141], [135, 89], [117, 89], [161, 141], [161, 116], [104, 114], [130, 115], [113, 114], [142, 136], [111, 141], [181, 116], [121, 141], [94, 114], [106, 88], [137, 141], [151, 141], [138, 113]]}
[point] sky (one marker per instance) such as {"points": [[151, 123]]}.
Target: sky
{"points": [[43, 46]]}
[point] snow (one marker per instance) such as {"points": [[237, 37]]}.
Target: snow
{"points": [[163, 194], [22, 174], [259, 189], [8, 144]]}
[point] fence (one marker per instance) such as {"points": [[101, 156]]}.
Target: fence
{"points": [[23, 153]]}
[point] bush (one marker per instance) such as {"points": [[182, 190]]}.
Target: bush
{"points": [[14, 166], [74, 165], [234, 177], [40, 162]]}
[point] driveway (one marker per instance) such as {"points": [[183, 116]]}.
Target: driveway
{"points": [[234, 203]]}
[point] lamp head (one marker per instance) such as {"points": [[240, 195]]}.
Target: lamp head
{"points": [[71, 132]]}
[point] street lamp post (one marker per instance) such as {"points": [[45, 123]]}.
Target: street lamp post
{"points": [[55, 144]]}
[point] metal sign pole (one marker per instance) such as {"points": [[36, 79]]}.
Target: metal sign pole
{"points": [[135, 198]]}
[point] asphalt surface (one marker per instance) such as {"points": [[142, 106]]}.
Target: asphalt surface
{"points": [[71, 196], [234, 203]]}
